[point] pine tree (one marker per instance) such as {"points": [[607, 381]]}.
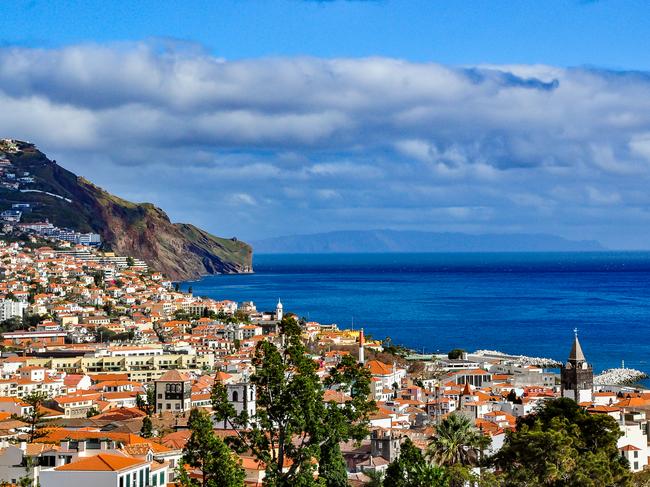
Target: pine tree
{"points": [[146, 404], [205, 451], [35, 417], [294, 426], [146, 431], [562, 444]]}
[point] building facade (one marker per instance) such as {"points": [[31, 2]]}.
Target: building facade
{"points": [[173, 392]]}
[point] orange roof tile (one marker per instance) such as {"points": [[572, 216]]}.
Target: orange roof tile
{"points": [[102, 463]]}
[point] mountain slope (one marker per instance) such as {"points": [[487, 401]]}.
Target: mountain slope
{"points": [[411, 241], [142, 230]]}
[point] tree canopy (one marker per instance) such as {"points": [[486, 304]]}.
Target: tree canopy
{"points": [[411, 469], [294, 427], [204, 450], [561, 444]]}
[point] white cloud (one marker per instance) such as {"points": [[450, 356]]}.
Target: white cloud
{"points": [[393, 142]]}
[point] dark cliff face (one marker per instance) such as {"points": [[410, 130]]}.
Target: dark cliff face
{"points": [[141, 230]]}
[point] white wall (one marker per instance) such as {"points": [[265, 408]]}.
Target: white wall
{"points": [[54, 478]]}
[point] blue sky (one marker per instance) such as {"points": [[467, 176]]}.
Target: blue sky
{"points": [[261, 118], [606, 33]]}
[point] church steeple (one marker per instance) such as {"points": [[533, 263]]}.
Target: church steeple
{"points": [[577, 376], [576, 354]]}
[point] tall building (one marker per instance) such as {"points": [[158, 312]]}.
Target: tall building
{"points": [[173, 392], [279, 313], [11, 309], [577, 376]]}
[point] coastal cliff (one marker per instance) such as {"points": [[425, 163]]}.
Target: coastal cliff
{"points": [[180, 250]]}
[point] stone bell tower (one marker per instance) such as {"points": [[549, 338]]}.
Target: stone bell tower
{"points": [[577, 376]]}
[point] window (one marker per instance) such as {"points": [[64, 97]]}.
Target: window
{"points": [[159, 405], [235, 396], [128, 481], [636, 454], [141, 477], [636, 465], [147, 472], [162, 478], [169, 406], [159, 396], [122, 481]]}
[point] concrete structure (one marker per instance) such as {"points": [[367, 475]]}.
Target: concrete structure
{"points": [[384, 443], [138, 368], [577, 376], [173, 392], [10, 309], [33, 338]]}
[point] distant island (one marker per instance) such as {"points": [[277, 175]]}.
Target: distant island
{"points": [[380, 241]]}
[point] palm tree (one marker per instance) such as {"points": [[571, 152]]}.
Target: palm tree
{"points": [[457, 441]]}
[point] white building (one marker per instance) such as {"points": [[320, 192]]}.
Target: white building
{"points": [[104, 470], [10, 309], [173, 392], [633, 444], [242, 397]]}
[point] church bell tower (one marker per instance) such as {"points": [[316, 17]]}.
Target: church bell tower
{"points": [[577, 376]]}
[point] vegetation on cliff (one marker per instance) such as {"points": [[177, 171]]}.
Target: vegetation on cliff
{"points": [[180, 250]]}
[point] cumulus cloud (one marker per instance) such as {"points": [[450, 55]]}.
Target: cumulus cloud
{"points": [[307, 144]]}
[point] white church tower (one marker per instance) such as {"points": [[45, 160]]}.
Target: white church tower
{"points": [[279, 311], [362, 344], [242, 397]]}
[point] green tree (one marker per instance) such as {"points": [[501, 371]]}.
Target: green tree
{"points": [[93, 411], [455, 354], [456, 441], [561, 444], [146, 403], [146, 431], [293, 425], [98, 277], [204, 450], [376, 478], [35, 418], [331, 466], [411, 469]]}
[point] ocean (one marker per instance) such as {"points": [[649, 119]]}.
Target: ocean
{"points": [[519, 303]]}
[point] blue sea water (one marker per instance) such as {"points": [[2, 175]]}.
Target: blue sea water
{"points": [[520, 303]]}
